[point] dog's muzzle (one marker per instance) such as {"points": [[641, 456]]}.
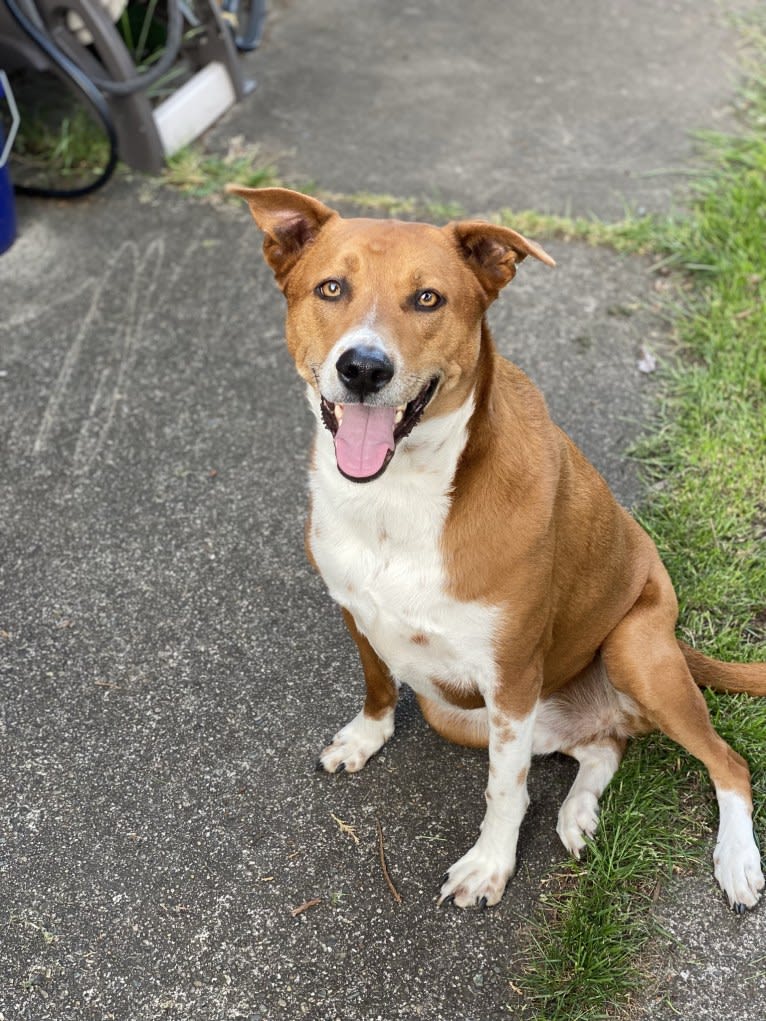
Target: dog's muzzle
{"points": [[366, 435]]}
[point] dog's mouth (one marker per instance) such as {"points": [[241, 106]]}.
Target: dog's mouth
{"points": [[366, 435]]}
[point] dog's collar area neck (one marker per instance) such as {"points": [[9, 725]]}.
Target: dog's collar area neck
{"points": [[366, 435]]}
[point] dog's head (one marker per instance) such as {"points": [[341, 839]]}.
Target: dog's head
{"points": [[383, 316]]}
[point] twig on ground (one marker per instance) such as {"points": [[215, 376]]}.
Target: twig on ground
{"points": [[305, 906], [346, 828], [394, 892]]}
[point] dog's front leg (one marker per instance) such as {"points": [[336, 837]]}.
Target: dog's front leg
{"points": [[369, 730], [480, 876]]}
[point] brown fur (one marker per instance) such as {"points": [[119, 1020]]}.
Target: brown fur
{"points": [[532, 527], [550, 541]]}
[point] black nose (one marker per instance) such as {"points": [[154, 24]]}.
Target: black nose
{"points": [[364, 370]]}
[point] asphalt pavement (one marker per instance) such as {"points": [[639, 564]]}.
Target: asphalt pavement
{"points": [[169, 664]]}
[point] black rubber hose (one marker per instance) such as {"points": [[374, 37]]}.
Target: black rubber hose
{"points": [[163, 65], [91, 94]]}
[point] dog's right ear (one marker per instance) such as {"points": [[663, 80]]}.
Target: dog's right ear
{"points": [[290, 222]]}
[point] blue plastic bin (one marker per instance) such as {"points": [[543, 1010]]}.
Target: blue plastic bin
{"points": [[7, 206]]}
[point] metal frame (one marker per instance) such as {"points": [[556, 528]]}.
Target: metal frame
{"points": [[139, 142]]}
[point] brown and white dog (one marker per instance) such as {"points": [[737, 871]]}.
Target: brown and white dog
{"points": [[475, 552]]}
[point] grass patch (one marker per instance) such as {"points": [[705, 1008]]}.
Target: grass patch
{"points": [[707, 514], [201, 174], [587, 949], [632, 234], [74, 149], [395, 205]]}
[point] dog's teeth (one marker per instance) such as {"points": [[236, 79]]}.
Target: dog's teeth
{"points": [[338, 411], [399, 415]]}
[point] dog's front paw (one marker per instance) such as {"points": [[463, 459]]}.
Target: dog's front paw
{"points": [[357, 742], [578, 819], [479, 878]]}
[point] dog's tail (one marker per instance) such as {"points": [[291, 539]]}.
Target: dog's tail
{"points": [[749, 678], [469, 727]]}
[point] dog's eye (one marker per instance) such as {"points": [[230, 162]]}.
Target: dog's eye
{"points": [[428, 300], [329, 289]]}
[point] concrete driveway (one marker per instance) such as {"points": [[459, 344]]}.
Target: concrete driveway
{"points": [[169, 665]]}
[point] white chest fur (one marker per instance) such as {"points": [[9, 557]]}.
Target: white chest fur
{"points": [[378, 548]]}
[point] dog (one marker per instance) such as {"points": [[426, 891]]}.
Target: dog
{"points": [[476, 555]]}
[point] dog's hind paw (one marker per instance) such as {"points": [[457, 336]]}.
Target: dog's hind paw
{"points": [[578, 821], [356, 743], [739, 874], [736, 857]]}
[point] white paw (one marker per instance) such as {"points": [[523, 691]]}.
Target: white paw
{"points": [[738, 869], [479, 878], [357, 742], [578, 819], [736, 856]]}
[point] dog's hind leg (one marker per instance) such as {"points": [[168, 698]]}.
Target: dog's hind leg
{"points": [[590, 721], [578, 815], [369, 730], [643, 659]]}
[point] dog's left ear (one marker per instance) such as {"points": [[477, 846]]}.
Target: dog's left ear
{"points": [[290, 222], [493, 252]]}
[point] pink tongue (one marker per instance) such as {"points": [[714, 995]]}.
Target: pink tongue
{"points": [[364, 437]]}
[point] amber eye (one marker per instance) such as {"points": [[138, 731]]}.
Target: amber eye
{"points": [[428, 299], [330, 289]]}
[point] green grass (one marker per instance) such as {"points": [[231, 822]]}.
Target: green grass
{"points": [[586, 950], [74, 148], [396, 205], [202, 175], [593, 943], [632, 234]]}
